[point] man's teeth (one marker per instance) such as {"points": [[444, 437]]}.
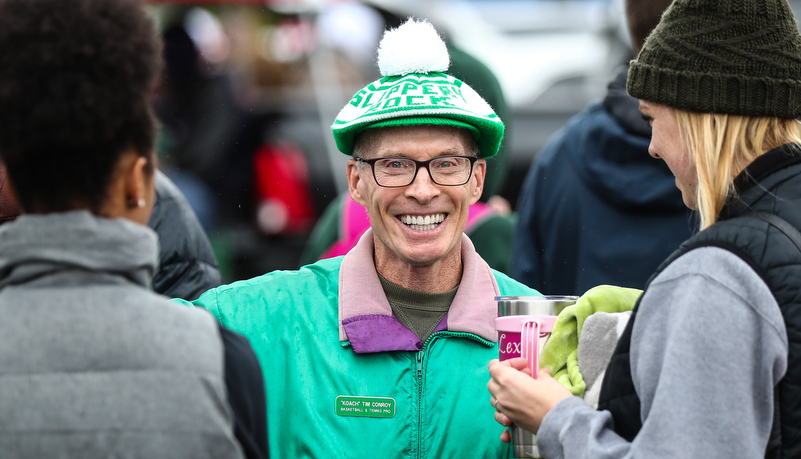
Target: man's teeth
{"points": [[423, 223]]}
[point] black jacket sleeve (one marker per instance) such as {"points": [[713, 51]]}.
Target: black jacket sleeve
{"points": [[187, 265], [245, 383]]}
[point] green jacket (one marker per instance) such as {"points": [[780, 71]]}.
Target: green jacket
{"points": [[345, 379]]}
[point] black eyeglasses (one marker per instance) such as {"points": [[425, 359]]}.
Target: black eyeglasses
{"points": [[394, 172]]}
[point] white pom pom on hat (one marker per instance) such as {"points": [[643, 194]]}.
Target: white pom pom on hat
{"points": [[414, 47]]}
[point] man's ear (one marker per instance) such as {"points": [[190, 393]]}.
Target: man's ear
{"points": [[479, 174], [355, 180]]}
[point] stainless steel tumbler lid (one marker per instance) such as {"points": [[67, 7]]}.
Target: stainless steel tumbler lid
{"points": [[549, 305]]}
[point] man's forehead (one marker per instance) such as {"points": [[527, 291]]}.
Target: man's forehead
{"points": [[383, 138]]}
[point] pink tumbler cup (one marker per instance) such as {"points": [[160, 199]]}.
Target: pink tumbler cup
{"points": [[524, 324]]}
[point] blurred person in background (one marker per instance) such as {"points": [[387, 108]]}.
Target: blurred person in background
{"points": [[187, 264], [382, 352], [708, 363], [207, 139], [92, 362], [594, 208]]}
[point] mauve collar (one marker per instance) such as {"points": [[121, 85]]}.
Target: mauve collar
{"points": [[365, 317]]}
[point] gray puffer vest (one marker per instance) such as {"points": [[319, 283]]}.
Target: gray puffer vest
{"points": [[92, 363]]}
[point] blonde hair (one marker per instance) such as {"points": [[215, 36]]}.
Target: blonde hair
{"points": [[722, 146]]}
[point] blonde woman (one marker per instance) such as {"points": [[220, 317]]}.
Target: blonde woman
{"points": [[709, 363]]}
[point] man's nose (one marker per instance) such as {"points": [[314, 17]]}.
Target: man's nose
{"points": [[422, 187]]}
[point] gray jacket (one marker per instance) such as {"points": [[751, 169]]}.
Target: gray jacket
{"points": [[708, 347], [93, 364]]}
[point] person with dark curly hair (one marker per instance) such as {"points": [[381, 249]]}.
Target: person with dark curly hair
{"points": [[92, 363]]}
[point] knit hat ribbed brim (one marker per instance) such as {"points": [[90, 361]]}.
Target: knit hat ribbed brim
{"points": [[419, 99], [739, 57]]}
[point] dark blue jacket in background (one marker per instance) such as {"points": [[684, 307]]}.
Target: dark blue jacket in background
{"points": [[595, 208]]}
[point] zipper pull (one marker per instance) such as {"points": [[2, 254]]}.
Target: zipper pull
{"points": [[420, 356]]}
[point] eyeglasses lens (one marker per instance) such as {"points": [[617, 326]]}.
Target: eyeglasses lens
{"points": [[447, 170]]}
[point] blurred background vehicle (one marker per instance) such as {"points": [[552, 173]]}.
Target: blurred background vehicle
{"points": [[250, 89]]}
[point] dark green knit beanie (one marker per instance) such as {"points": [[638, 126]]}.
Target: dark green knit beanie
{"points": [[739, 57]]}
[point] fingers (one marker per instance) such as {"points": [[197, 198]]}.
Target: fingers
{"points": [[502, 419], [497, 368], [544, 371], [506, 436], [518, 363], [502, 380], [519, 398], [493, 387]]}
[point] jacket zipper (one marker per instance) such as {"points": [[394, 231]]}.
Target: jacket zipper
{"points": [[420, 357]]}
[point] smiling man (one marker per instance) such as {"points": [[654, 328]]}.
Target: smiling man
{"points": [[383, 352], [417, 183]]}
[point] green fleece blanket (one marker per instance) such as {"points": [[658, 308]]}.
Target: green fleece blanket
{"points": [[560, 353]]}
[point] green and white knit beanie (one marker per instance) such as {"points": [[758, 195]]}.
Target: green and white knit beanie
{"points": [[738, 57], [415, 90]]}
